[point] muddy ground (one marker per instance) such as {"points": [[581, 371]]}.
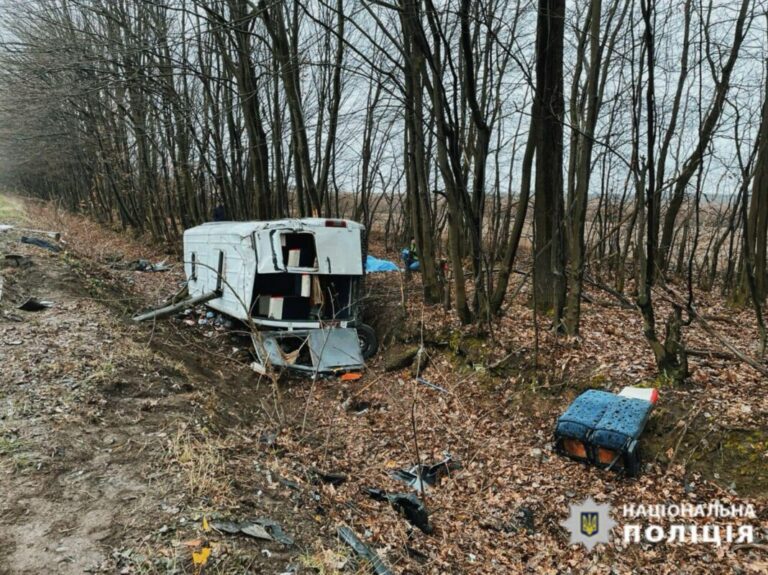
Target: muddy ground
{"points": [[122, 445]]}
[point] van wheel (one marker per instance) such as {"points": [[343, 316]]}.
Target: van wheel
{"points": [[369, 343]]}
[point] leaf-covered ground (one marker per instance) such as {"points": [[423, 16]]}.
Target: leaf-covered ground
{"points": [[117, 440]]}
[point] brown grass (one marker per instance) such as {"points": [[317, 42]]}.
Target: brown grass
{"points": [[201, 464]]}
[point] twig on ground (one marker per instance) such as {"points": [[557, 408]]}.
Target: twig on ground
{"points": [[416, 443], [683, 434]]}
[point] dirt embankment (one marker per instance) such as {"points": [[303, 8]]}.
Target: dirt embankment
{"points": [[110, 449]]}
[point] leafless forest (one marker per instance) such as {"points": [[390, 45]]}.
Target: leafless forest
{"points": [[547, 157], [626, 137]]}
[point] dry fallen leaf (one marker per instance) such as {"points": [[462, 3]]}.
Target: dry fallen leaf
{"points": [[200, 558]]}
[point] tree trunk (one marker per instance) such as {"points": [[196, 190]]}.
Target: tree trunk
{"points": [[577, 201], [549, 274]]}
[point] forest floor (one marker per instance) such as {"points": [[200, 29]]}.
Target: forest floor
{"points": [[122, 445]]}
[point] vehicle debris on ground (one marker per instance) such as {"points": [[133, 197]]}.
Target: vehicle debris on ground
{"points": [[363, 551], [16, 260], [262, 528], [407, 505], [34, 304], [41, 243], [140, 265], [331, 478], [421, 476]]}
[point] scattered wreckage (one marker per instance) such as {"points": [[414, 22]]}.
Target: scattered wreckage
{"points": [[30, 304], [296, 282]]}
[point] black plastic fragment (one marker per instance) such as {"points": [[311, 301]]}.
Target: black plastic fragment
{"points": [[17, 261], [334, 479], [276, 531], [524, 519], [289, 483], [40, 243], [230, 527], [419, 475], [34, 304], [408, 505], [362, 550]]}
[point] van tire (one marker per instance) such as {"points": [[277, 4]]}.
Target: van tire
{"points": [[369, 343]]}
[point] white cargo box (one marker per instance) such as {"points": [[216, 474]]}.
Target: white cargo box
{"points": [[267, 259], [302, 277]]}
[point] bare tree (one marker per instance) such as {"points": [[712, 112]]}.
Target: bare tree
{"points": [[548, 112]]}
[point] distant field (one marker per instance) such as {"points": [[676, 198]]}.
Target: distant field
{"points": [[11, 209]]}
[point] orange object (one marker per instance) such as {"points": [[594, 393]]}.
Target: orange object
{"points": [[605, 456], [575, 448], [351, 376]]}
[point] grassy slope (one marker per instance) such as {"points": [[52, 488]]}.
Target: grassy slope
{"points": [[11, 209]]}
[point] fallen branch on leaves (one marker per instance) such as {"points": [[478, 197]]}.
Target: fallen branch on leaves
{"points": [[728, 345], [692, 415], [710, 353], [624, 300], [675, 299]]}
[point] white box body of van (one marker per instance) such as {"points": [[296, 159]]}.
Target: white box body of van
{"points": [[260, 259]]}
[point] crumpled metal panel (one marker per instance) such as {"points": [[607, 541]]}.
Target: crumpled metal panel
{"points": [[275, 354], [331, 349], [335, 348]]}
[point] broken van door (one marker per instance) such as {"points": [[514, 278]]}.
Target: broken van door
{"points": [[336, 254], [335, 348], [269, 252]]}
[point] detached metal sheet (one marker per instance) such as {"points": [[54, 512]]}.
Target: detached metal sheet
{"points": [[330, 349], [335, 348], [339, 251]]}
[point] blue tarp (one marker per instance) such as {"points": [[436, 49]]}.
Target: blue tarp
{"points": [[373, 265]]}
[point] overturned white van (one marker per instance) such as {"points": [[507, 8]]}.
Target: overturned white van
{"points": [[301, 278]]}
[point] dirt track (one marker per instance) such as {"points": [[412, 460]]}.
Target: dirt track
{"points": [[102, 438]]}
